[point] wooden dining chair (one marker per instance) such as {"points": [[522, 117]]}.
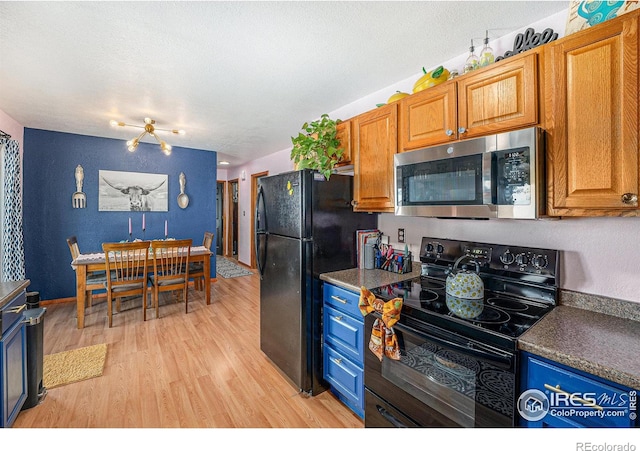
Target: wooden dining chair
{"points": [[196, 269], [95, 279], [127, 264], [170, 269]]}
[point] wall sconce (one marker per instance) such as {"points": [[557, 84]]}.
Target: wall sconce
{"points": [[150, 129], [243, 175]]}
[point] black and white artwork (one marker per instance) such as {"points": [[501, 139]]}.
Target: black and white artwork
{"points": [[132, 191]]}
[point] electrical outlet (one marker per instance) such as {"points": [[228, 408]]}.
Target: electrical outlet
{"points": [[400, 235]]}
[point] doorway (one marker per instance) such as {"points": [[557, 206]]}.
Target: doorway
{"points": [[220, 218], [232, 223], [254, 197]]}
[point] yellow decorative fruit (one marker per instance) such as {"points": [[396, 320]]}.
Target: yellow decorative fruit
{"points": [[429, 79], [397, 96]]}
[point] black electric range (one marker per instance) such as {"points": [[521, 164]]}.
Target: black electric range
{"points": [[520, 288], [457, 367]]}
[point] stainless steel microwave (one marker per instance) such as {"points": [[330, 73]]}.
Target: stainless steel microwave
{"points": [[496, 176]]}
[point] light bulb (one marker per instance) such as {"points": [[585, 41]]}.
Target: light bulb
{"points": [[472, 60], [132, 145], [486, 54], [113, 123]]}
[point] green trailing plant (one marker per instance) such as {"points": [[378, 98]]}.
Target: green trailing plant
{"points": [[317, 146]]}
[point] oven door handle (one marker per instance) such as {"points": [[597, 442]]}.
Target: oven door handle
{"points": [[390, 418], [500, 359]]}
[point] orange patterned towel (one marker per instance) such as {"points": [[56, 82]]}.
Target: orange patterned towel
{"points": [[383, 339]]}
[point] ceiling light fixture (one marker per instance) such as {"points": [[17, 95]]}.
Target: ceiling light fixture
{"points": [[149, 128]]}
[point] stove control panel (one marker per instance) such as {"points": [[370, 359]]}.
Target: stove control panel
{"points": [[510, 261]]}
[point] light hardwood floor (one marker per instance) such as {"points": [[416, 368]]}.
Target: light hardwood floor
{"points": [[203, 369]]}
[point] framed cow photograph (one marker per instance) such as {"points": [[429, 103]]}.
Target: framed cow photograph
{"points": [[132, 191]]}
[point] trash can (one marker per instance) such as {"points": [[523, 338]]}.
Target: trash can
{"points": [[34, 319]]}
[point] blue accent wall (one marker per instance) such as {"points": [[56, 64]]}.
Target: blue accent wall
{"points": [[50, 160]]}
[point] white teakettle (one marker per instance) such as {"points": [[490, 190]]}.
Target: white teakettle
{"points": [[465, 284]]}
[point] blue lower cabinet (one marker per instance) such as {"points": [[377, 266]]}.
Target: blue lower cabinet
{"points": [[343, 358], [557, 396], [13, 360], [346, 379]]}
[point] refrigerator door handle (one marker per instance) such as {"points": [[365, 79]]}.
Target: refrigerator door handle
{"points": [[261, 232]]}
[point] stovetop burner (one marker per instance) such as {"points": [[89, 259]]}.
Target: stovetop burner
{"points": [[508, 304], [520, 288]]}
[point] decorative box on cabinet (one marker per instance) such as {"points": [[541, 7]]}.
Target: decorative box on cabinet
{"points": [[575, 399], [502, 97], [343, 351], [13, 360], [375, 143], [591, 79]]}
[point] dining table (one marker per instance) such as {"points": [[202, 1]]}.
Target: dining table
{"points": [[87, 263]]}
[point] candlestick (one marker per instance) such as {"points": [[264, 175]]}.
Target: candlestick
{"points": [[129, 226], [143, 223], [165, 229]]}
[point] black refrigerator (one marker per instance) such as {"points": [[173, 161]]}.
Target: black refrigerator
{"points": [[305, 226]]}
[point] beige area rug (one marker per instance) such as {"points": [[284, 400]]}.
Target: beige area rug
{"points": [[73, 366]]}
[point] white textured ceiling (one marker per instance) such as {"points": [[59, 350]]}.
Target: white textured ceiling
{"points": [[240, 77]]}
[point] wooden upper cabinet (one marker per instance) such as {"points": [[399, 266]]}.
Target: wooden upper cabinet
{"points": [[502, 97], [343, 134], [428, 117], [592, 122], [375, 143]]}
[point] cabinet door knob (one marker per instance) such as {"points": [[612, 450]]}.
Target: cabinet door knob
{"points": [[462, 130], [354, 203], [339, 318], [629, 198], [336, 361], [449, 132]]}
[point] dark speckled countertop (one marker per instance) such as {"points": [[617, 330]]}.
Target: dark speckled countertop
{"points": [[595, 334], [601, 344], [8, 290], [353, 279]]}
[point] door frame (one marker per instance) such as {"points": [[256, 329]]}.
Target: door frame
{"points": [[228, 224], [225, 215], [254, 197]]}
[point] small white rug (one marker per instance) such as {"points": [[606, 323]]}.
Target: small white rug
{"points": [[228, 269]]}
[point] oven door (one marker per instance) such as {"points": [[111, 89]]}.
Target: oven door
{"points": [[441, 380]]}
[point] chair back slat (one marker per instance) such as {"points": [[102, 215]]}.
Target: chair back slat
{"points": [[126, 262], [171, 259]]}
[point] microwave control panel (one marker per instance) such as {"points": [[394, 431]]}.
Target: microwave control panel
{"points": [[513, 176]]}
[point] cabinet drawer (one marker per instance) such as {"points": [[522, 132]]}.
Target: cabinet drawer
{"points": [[344, 376], [341, 299], [570, 391], [12, 312], [345, 333]]}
